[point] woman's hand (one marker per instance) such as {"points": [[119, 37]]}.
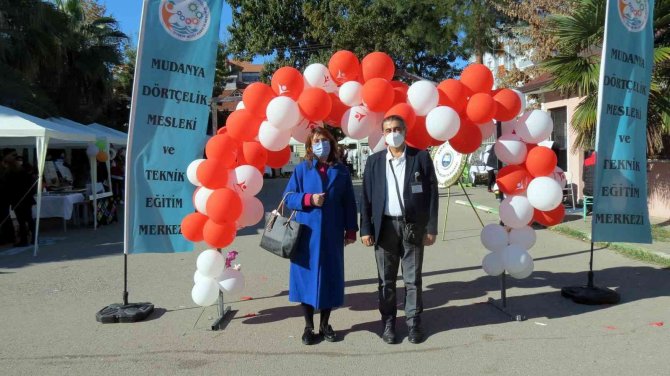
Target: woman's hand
{"points": [[318, 199], [348, 241]]}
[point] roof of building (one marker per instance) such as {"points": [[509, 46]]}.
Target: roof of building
{"points": [[247, 67], [537, 84]]}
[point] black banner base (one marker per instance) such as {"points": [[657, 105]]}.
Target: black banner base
{"points": [[590, 295], [120, 313]]}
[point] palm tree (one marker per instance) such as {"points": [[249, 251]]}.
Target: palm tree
{"points": [[576, 67]]}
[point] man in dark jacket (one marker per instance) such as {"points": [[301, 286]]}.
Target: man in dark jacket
{"points": [[399, 217], [21, 192]]}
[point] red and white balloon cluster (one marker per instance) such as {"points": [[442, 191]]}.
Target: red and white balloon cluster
{"points": [[215, 273], [533, 187]]}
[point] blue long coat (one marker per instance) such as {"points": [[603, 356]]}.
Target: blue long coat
{"points": [[317, 268]]}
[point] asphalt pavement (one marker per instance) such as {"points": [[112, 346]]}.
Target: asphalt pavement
{"points": [[49, 303]]}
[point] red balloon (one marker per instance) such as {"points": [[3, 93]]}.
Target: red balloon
{"points": [[224, 205], [278, 159], [513, 179], [192, 226], [288, 81], [256, 98], [453, 94], [417, 136], [219, 235], [243, 125], [508, 105], [220, 146], [213, 173], [337, 110], [343, 66], [551, 217], [481, 108], [541, 161], [315, 104], [468, 139], [377, 65], [405, 111], [477, 78], [378, 94], [254, 153]]}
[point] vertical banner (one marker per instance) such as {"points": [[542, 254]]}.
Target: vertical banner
{"points": [[174, 77], [620, 212]]}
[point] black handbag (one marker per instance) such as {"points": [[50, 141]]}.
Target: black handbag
{"points": [[281, 234]]}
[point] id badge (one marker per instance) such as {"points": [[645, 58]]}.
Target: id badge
{"points": [[417, 188]]}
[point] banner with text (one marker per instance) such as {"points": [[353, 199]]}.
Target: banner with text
{"points": [[620, 211], [174, 76]]}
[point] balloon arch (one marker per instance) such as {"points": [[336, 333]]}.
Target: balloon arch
{"points": [[356, 95]]}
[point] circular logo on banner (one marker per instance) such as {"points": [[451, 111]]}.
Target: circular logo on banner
{"points": [[634, 14], [449, 165], [186, 20]]}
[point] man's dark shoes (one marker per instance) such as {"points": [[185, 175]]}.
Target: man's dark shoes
{"points": [[389, 334], [415, 334], [328, 334], [308, 337]]}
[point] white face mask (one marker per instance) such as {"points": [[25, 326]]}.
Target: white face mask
{"points": [[395, 139]]}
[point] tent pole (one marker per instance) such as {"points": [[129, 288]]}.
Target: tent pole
{"points": [[41, 149]]}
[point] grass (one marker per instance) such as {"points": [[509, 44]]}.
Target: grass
{"points": [[629, 251], [659, 233]]}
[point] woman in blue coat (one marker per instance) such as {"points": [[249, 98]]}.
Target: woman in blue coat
{"points": [[321, 192]]}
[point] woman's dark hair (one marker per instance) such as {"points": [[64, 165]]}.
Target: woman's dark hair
{"points": [[333, 156]]}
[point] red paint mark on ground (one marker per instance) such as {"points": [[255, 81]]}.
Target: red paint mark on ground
{"points": [[263, 278], [659, 323], [610, 327], [246, 298], [250, 315]]}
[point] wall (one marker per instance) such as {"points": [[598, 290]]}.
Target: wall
{"points": [[658, 179]]}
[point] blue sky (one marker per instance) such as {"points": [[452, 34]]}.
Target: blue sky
{"points": [[128, 13]]}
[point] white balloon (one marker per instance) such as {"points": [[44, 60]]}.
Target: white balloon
{"points": [[423, 97], [304, 128], [248, 181], [191, 172], [516, 211], [494, 237], [510, 149], [317, 75], [442, 123], [231, 281], [240, 106], [493, 264], [200, 199], [351, 93], [544, 193], [515, 259], [356, 122], [560, 177], [524, 237], [508, 127], [488, 129], [272, 138], [252, 211], [92, 150], [535, 126], [525, 273], [522, 97], [283, 112], [210, 263], [199, 277], [205, 292], [376, 140]]}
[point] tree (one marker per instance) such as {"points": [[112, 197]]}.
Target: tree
{"points": [[418, 35], [576, 68]]}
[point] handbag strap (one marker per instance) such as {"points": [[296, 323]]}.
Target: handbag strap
{"points": [[397, 189], [282, 204]]}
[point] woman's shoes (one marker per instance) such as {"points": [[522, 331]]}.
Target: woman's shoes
{"points": [[308, 337], [328, 334]]}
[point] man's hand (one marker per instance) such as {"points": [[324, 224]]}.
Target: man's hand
{"points": [[429, 239], [318, 199], [367, 240]]}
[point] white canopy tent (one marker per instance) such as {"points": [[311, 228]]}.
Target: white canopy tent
{"points": [[113, 136], [20, 129]]}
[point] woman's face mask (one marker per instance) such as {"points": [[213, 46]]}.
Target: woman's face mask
{"points": [[321, 149]]}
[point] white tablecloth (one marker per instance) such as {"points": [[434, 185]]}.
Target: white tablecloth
{"points": [[58, 205]]}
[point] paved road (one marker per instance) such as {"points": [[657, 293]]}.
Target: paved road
{"points": [[49, 302]]}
